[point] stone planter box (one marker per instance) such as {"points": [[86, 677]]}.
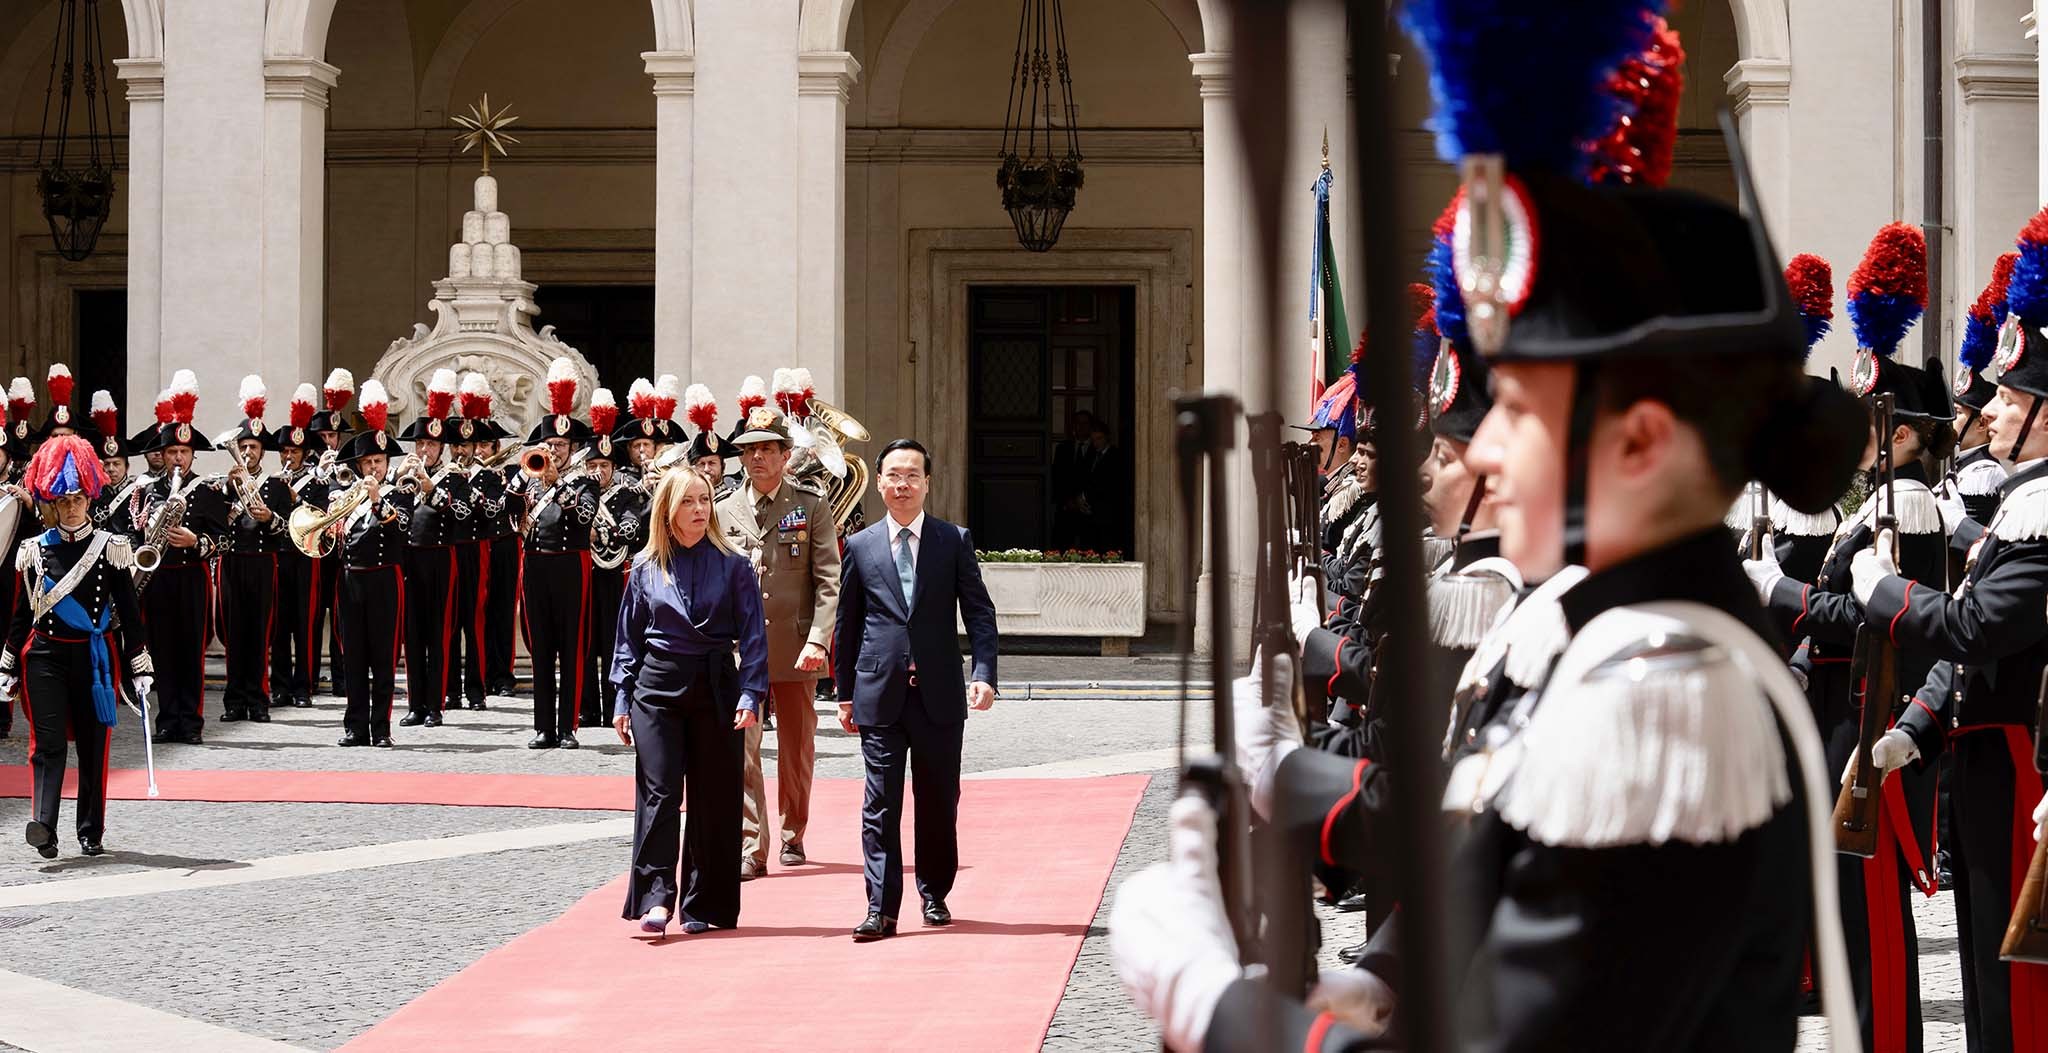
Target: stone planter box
{"points": [[1068, 599]]}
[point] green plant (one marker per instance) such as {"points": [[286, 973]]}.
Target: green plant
{"points": [[1032, 555]]}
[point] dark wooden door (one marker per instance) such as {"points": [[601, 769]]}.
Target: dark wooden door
{"points": [[1038, 354], [613, 325], [100, 361]]}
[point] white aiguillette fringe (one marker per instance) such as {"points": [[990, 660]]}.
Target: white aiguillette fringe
{"points": [[1917, 512], [1652, 733], [1342, 499], [28, 554], [120, 552], [1980, 477], [1530, 633], [2023, 514], [1740, 514], [1464, 604], [1793, 523]]}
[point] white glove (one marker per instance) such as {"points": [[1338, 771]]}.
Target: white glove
{"points": [[143, 685], [1356, 998], [9, 684], [1893, 750], [1871, 566], [1265, 734], [1764, 573], [2041, 819], [1302, 611], [1168, 934], [1952, 513]]}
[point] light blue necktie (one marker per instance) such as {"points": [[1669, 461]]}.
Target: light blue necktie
{"points": [[905, 572]]}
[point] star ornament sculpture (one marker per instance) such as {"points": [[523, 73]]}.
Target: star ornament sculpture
{"points": [[486, 129]]}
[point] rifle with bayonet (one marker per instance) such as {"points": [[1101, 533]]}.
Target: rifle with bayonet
{"points": [[2026, 935], [1304, 492], [1759, 523], [1874, 668]]}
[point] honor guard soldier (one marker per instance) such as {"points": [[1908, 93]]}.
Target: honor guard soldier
{"points": [[1981, 701], [785, 526], [259, 506], [75, 645], [17, 524], [561, 503], [1646, 363], [708, 449], [114, 450], [488, 543], [1975, 475], [439, 510], [62, 419], [144, 442], [668, 393], [617, 532], [331, 427], [21, 412], [372, 518], [504, 559], [176, 595], [1886, 294], [641, 435], [294, 639]]}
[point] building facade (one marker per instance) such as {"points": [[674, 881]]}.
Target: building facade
{"points": [[715, 188]]}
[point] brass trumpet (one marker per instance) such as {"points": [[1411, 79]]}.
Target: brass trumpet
{"points": [[534, 461]]}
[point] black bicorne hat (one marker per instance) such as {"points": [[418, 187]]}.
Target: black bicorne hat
{"points": [[2022, 360], [1460, 393], [366, 443], [1917, 393]]}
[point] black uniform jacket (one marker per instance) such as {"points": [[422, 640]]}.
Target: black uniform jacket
{"points": [[374, 534], [107, 582], [1671, 944], [561, 514]]}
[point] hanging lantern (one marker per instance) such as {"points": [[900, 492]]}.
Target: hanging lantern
{"points": [[1041, 169], [75, 174]]}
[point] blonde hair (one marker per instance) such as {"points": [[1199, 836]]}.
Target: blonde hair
{"points": [[668, 494]]}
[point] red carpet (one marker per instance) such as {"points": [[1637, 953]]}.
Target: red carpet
{"points": [[1035, 856], [354, 787]]}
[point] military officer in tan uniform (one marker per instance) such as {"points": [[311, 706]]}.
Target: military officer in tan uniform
{"points": [[785, 526]]}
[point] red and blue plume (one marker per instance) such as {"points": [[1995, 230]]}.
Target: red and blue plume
{"points": [[1987, 315], [1525, 80], [2027, 294], [1423, 339], [1438, 269], [1888, 290], [64, 465], [1337, 406], [1812, 283]]}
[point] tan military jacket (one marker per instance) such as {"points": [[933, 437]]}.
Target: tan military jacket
{"points": [[797, 560]]}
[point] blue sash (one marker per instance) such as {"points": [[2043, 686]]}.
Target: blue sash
{"points": [[105, 702]]}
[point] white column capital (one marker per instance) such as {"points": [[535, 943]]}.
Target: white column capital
{"points": [[1759, 82], [1213, 72], [1997, 75], [826, 73], [674, 72], [145, 77], [304, 79]]}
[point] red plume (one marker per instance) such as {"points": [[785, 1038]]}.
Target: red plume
{"points": [[561, 387], [21, 399], [640, 399], [163, 406], [476, 396], [341, 387], [184, 395], [302, 406], [59, 382], [1646, 88], [1812, 283], [703, 407], [441, 393], [105, 415], [752, 393], [376, 405], [604, 412], [1992, 299], [255, 397]]}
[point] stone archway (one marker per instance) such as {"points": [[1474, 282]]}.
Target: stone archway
{"points": [[1760, 96]]}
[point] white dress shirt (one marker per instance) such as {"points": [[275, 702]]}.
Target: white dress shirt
{"points": [[916, 538]]}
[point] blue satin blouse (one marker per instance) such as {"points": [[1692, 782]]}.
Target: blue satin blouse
{"points": [[709, 603]]}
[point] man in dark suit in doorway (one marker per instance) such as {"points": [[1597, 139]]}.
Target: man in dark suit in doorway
{"points": [[897, 664]]}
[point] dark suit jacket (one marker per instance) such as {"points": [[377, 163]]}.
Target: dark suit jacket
{"points": [[877, 638]]}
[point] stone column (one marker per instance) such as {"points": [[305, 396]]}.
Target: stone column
{"points": [[824, 78], [1226, 291], [213, 214], [145, 193], [1997, 133], [1760, 96], [295, 92], [744, 267], [675, 87]]}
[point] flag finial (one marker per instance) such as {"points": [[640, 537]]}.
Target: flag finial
{"points": [[1326, 148]]}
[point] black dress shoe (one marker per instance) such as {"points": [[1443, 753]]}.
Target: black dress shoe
{"points": [[478, 704], [874, 927], [193, 738], [568, 741], [350, 738], [91, 848], [433, 720], [162, 737], [42, 839], [382, 742], [302, 702], [1353, 903], [260, 716], [542, 740], [412, 720], [231, 716], [280, 701], [935, 912]]}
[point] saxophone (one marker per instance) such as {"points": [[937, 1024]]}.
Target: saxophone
{"points": [[169, 515]]}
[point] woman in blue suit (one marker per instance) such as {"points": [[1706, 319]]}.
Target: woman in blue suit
{"points": [[685, 701]]}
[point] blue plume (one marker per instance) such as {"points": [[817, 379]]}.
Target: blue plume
{"points": [[2027, 294], [1980, 342], [1450, 303], [67, 477], [1524, 79], [1816, 327]]}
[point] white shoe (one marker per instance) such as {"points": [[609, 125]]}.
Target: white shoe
{"points": [[655, 920]]}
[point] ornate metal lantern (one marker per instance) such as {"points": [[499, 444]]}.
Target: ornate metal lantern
{"points": [[76, 178], [1041, 167]]}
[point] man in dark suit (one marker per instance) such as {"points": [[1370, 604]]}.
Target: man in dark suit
{"points": [[897, 663]]}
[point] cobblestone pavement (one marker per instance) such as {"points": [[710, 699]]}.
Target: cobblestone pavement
{"points": [[315, 960]]}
